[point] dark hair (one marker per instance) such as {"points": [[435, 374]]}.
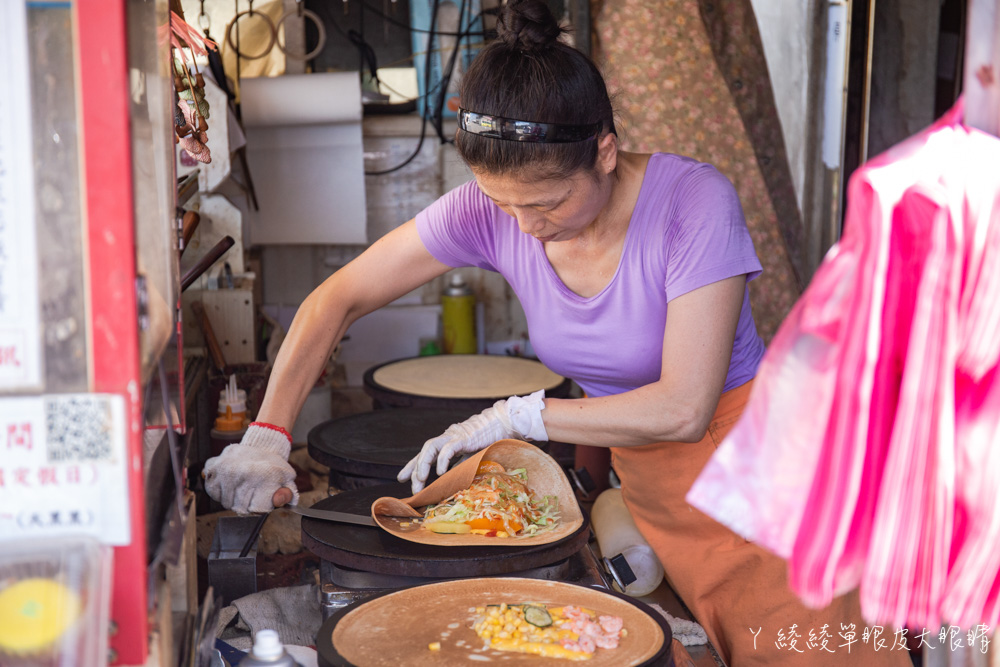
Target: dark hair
{"points": [[528, 74]]}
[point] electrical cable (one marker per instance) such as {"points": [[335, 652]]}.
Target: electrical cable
{"points": [[442, 85], [409, 58], [351, 36], [366, 53], [438, 33], [423, 123], [416, 151], [446, 81]]}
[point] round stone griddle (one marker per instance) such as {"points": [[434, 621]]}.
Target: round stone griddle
{"points": [[377, 444], [371, 549], [465, 370], [397, 624]]}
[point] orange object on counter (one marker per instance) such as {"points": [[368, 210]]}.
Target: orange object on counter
{"points": [[735, 589], [230, 421], [232, 412]]}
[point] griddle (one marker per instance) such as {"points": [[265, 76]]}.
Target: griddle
{"points": [[328, 656], [370, 448], [383, 397], [371, 549]]}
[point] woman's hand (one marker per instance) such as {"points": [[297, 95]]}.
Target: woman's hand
{"points": [[253, 475], [515, 417]]}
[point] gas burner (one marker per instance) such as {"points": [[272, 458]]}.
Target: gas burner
{"points": [[343, 586]]}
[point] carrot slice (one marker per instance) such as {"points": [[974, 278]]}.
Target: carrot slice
{"points": [[492, 524]]}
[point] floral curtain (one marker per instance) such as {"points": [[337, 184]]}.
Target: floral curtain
{"points": [[689, 77]]}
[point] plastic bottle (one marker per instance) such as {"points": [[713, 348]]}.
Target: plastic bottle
{"points": [[231, 422], [458, 317], [232, 408], [617, 534], [268, 651]]}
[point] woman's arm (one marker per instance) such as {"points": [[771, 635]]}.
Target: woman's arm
{"points": [[697, 346], [395, 264]]}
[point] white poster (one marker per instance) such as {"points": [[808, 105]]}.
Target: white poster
{"points": [[20, 340], [63, 467]]}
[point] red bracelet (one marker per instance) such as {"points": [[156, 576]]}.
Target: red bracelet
{"points": [[274, 428]]}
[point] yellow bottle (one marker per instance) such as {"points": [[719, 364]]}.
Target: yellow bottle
{"points": [[458, 317]]}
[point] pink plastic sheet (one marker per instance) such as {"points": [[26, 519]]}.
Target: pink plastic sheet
{"points": [[869, 452]]}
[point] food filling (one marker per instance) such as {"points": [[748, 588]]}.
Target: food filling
{"points": [[497, 504], [569, 632]]}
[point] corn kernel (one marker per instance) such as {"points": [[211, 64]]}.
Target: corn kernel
{"points": [[434, 646]]}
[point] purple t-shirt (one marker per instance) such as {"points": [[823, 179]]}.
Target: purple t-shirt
{"points": [[687, 231]]}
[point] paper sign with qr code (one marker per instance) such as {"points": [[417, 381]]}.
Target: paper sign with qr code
{"points": [[20, 325], [63, 467]]}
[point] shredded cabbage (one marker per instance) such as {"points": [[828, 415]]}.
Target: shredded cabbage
{"points": [[499, 495]]}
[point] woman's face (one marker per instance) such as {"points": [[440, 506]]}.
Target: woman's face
{"points": [[549, 209]]}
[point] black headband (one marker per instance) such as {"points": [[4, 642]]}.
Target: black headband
{"points": [[508, 129]]}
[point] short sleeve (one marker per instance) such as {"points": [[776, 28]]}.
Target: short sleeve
{"points": [[707, 239], [458, 229]]}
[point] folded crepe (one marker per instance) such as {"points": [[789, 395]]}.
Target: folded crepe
{"points": [[545, 478]]}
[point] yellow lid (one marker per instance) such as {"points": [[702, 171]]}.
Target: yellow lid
{"points": [[34, 614]]}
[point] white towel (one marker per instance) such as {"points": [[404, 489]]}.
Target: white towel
{"points": [[688, 633]]}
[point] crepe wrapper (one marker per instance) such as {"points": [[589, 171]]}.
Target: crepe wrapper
{"points": [[395, 629], [545, 478]]}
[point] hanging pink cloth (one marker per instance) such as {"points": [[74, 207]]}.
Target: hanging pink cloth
{"points": [[869, 453]]}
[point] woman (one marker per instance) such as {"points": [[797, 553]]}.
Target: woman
{"points": [[632, 270]]}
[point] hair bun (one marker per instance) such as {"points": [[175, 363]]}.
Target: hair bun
{"points": [[528, 25]]}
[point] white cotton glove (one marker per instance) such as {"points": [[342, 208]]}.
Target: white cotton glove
{"points": [[514, 417], [246, 475]]}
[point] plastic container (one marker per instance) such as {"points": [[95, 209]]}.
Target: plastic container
{"points": [[458, 317], [54, 601], [617, 534], [231, 421], [232, 412], [268, 651]]}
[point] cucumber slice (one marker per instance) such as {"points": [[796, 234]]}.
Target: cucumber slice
{"points": [[537, 616], [447, 527]]}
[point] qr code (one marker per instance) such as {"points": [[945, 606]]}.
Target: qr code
{"points": [[78, 428]]}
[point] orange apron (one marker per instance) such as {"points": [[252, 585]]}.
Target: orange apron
{"points": [[735, 589]]}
